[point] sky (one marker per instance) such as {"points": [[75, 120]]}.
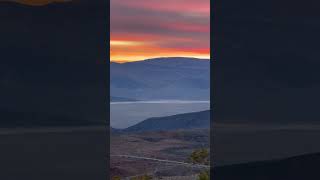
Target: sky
{"points": [[143, 29]]}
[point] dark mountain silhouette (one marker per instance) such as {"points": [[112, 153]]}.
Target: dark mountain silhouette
{"points": [[161, 78], [295, 168], [195, 120], [53, 61]]}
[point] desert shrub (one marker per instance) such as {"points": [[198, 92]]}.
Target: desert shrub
{"points": [[144, 177], [204, 175], [200, 156], [116, 178]]}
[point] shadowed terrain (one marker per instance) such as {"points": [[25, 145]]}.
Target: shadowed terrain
{"points": [[197, 120], [162, 145]]}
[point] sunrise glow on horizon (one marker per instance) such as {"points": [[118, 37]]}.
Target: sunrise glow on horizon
{"points": [[169, 28]]}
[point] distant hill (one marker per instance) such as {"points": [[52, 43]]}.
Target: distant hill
{"points": [[120, 99], [295, 168], [195, 120], [161, 78]]}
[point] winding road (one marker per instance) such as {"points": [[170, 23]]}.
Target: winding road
{"points": [[162, 160]]}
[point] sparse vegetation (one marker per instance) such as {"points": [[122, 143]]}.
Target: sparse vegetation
{"points": [[116, 178], [204, 175], [177, 148], [200, 156], [144, 177]]}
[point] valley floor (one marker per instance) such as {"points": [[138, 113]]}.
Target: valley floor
{"points": [[80, 153], [232, 143], [166, 153]]}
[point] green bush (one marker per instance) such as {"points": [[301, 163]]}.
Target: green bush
{"points": [[204, 175], [200, 156], [116, 178], [144, 177]]}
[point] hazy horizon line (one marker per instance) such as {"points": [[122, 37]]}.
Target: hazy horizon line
{"points": [[162, 102], [160, 57]]}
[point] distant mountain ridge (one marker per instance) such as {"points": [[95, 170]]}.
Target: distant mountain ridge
{"points": [[161, 78], [194, 120]]}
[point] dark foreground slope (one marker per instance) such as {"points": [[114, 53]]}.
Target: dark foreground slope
{"points": [[196, 120], [53, 61], [173, 145], [295, 168]]}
